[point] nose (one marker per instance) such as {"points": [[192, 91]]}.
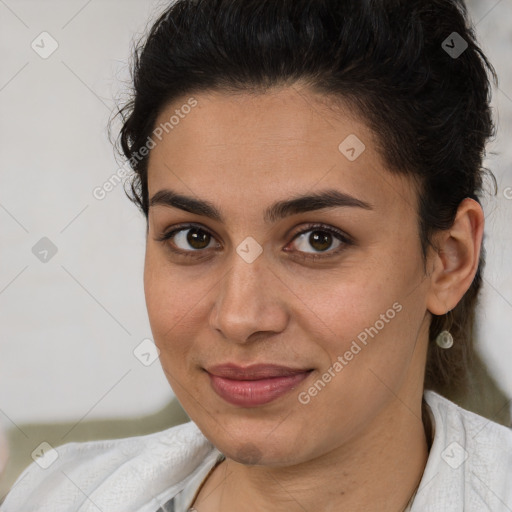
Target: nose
{"points": [[250, 302]]}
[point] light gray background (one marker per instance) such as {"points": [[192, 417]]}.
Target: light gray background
{"points": [[68, 327]]}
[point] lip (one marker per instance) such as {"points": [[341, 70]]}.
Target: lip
{"points": [[256, 384], [253, 371]]}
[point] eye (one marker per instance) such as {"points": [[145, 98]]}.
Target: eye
{"points": [[191, 240], [187, 240], [321, 238]]}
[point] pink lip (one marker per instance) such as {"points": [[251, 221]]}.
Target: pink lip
{"points": [[254, 385]]}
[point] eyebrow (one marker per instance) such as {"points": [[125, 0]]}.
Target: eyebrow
{"points": [[330, 198]]}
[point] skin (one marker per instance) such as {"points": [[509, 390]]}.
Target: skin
{"points": [[362, 434]]}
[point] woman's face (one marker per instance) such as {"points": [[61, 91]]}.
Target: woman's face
{"points": [[257, 280]]}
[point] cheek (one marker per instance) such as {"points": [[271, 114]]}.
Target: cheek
{"points": [[175, 302], [362, 327], [164, 303], [372, 315]]}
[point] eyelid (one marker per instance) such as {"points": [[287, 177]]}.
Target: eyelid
{"points": [[167, 235], [182, 227], [345, 239]]}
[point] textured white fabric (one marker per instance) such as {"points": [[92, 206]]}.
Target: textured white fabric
{"points": [[136, 474], [469, 469]]}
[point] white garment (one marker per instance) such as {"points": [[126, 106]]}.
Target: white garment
{"points": [[469, 469]]}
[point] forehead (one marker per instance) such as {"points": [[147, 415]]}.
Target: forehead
{"points": [[287, 141]]}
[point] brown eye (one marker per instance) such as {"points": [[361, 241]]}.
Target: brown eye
{"points": [[187, 239], [193, 241], [320, 240], [197, 238]]}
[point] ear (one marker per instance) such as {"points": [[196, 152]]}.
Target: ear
{"points": [[455, 263]]}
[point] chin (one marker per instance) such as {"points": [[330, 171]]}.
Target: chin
{"points": [[254, 445]]}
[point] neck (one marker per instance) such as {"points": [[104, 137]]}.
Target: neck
{"points": [[379, 470]]}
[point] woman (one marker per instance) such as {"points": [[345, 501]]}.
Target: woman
{"points": [[310, 172]]}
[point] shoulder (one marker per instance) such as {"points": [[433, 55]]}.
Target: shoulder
{"points": [[482, 435], [114, 475], [470, 462]]}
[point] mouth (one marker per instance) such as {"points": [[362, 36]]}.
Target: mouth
{"points": [[254, 385]]}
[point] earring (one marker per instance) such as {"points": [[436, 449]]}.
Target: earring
{"points": [[444, 339]]}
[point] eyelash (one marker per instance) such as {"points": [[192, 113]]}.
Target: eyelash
{"points": [[344, 239]]}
